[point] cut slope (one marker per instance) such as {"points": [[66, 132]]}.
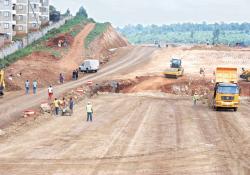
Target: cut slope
{"points": [[45, 67], [110, 39]]}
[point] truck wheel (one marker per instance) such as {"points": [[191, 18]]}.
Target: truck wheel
{"points": [[215, 108], [235, 109], [248, 79]]}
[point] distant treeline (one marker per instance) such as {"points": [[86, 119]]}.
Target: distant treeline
{"points": [[217, 33]]}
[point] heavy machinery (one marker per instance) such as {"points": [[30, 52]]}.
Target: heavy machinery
{"points": [[176, 70], [226, 90], [2, 84], [245, 74]]}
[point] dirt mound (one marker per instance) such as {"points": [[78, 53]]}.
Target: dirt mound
{"points": [[44, 66], [101, 47], [211, 47], [31, 68], [182, 86], [65, 38]]}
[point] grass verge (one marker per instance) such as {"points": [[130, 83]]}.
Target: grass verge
{"points": [[97, 31], [69, 27]]}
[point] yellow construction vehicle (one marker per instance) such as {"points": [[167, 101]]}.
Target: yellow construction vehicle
{"points": [[176, 70], [2, 84], [245, 74], [226, 90]]}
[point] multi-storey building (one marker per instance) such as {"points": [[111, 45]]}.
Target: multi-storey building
{"points": [[7, 19], [44, 9], [16, 17]]}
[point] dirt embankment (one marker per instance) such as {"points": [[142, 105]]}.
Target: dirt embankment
{"points": [[45, 67], [103, 46]]}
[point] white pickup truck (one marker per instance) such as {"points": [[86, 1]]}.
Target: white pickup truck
{"points": [[90, 66]]}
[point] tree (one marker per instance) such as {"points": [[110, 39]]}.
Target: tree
{"points": [[67, 13], [216, 35], [82, 12], [52, 9]]}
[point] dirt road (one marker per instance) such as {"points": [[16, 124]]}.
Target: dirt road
{"points": [[77, 51], [147, 133], [12, 109]]}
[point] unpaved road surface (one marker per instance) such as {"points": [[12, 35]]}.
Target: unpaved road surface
{"points": [[146, 133], [12, 109]]}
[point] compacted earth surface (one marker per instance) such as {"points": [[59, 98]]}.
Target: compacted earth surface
{"points": [[150, 127]]}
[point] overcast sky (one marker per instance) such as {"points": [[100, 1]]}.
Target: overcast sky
{"points": [[122, 12]]}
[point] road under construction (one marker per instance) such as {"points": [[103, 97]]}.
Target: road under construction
{"points": [[140, 131]]}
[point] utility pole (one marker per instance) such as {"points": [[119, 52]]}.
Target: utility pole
{"points": [[28, 19]]}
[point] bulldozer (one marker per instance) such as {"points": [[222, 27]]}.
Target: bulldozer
{"points": [[2, 84], [245, 74], [176, 70]]}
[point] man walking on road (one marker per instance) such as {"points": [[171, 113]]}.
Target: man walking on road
{"points": [[50, 92], [61, 78], [34, 86], [71, 105], [27, 87], [56, 103], [195, 98], [89, 110]]}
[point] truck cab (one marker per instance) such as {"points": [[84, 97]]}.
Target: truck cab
{"points": [[226, 90]]}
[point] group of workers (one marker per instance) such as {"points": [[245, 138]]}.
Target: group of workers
{"points": [[61, 105], [27, 87]]}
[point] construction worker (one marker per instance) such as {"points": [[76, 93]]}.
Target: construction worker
{"points": [[195, 98], [76, 71], [61, 78], [71, 105], [89, 110], [27, 87], [63, 106], [50, 92], [34, 86], [56, 104]]}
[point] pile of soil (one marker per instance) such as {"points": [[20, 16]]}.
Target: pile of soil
{"points": [[53, 42], [101, 47], [31, 68], [182, 86]]}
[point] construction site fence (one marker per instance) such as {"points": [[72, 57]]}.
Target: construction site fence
{"points": [[34, 36]]}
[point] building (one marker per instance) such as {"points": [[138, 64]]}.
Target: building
{"points": [[17, 18], [7, 19], [44, 9]]}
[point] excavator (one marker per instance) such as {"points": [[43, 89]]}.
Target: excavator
{"points": [[2, 84], [245, 74], [176, 70]]}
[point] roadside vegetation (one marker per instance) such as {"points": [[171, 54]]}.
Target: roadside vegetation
{"points": [[97, 31], [72, 26], [228, 34]]}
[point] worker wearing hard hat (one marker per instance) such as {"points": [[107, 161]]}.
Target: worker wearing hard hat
{"points": [[89, 110], [195, 98]]}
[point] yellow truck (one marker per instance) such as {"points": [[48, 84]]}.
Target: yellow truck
{"points": [[176, 70], [2, 84], [226, 90]]}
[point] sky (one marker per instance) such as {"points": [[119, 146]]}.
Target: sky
{"points": [[124, 12]]}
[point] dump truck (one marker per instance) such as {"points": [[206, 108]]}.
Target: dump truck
{"points": [[245, 74], [226, 90], [2, 84], [176, 70]]}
